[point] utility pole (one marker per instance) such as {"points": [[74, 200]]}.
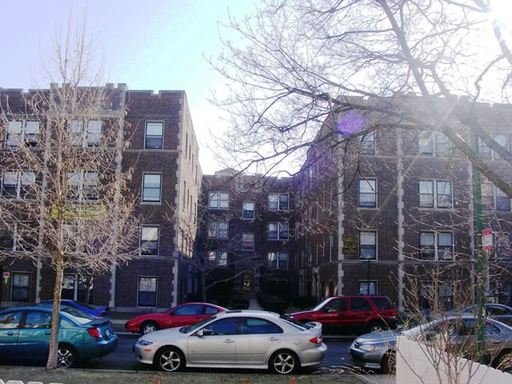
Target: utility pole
{"points": [[479, 255]]}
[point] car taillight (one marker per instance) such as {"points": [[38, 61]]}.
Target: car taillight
{"points": [[94, 332], [316, 340]]}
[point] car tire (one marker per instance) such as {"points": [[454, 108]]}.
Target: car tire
{"points": [[148, 327], [169, 359], [504, 362], [283, 362], [388, 364], [66, 357]]}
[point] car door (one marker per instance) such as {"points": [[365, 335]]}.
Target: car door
{"points": [[185, 314], [9, 330], [216, 345], [500, 312], [258, 337], [34, 335], [333, 313], [360, 312]]}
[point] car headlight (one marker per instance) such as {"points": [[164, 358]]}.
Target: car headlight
{"points": [[367, 347], [145, 342]]}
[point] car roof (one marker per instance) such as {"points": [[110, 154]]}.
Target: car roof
{"points": [[247, 312]]}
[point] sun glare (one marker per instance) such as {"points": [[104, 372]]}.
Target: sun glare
{"points": [[501, 11]]}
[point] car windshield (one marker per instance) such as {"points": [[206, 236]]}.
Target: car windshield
{"points": [[192, 328], [319, 306]]}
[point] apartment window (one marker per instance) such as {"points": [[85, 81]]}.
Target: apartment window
{"points": [[247, 242], [151, 188], [6, 239], [435, 194], [218, 258], [218, 230], [443, 145], [218, 200], [368, 287], [17, 130], [93, 133], [368, 193], [20, 286], [502, 201], [149, 239], [10, 185], [436, 245], [85, 133], [147, 291], [487, 197], [278, 260], [278, 202], [248, 210], [368, 245], [26, 237], [425, 143], [368, 143], [277, 231], [503, 140], [83, 185], [154, 135], [484, 149]]}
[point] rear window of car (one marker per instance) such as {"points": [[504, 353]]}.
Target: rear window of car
{"points": [[382, 303]]}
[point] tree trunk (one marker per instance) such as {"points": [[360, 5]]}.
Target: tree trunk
{"points": [[57, 290]]}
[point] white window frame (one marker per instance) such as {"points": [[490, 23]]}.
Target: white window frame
{"points": [[21, 180], [83, 187], [368, 143], [436, 245], [141, 239], [149, 122], [435, 194], [159, 201], [156, 291], [253, 210], [434, 141], [27, 274], [216, 200], [26, 129], [369, 283], [506, 146], [376, 245], [375, 193], [279, 230], [275, 255], [220, 258], [217, 231], [85, 135], [278, 206]]}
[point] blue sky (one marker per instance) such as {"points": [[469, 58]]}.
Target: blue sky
{"points": [[152, 44]]}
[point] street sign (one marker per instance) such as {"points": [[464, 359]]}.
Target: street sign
{"points": [[487, 239], [6, 276]]}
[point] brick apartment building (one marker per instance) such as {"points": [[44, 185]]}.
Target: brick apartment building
{"points": [[396, 203], [163, 151], [244, 233]]}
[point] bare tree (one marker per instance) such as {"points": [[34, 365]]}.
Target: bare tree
{"points": [[297, 63], [69, 207]]}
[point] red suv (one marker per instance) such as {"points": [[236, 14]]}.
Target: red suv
{"points": [[352, 313]]}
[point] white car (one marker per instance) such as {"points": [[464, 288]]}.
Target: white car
{"points": [[235, 339]]}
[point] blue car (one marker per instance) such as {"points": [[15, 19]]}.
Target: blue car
{"points": [[25, 336], [88, 309]]}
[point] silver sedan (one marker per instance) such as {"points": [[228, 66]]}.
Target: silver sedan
{"points": [[235, 339]]}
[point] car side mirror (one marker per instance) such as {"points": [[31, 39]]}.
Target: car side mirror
{"points": [[200, 333]]}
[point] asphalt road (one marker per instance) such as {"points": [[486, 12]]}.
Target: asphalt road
{"points": [[122, 358]]}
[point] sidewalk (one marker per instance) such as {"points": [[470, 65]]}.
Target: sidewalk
{"points": [[89, 376]]}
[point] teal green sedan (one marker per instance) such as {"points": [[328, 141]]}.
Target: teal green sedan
{"points": [[25, 336]]}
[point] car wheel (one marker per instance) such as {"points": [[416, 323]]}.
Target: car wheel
{"points": [[283, 362], [66, 357], [388, 364], [505, 362], [170, 360], [148, 327]]}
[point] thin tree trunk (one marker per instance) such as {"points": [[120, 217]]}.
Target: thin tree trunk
{"points": [[57, 289]]}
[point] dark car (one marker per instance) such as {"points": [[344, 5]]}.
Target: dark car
{"points": [[25, 336], [377, 350], [183, 314], [98, 311], [352, 313]]}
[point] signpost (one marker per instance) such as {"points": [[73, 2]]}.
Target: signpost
{"points": [[6, 276], [487, 240]]}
